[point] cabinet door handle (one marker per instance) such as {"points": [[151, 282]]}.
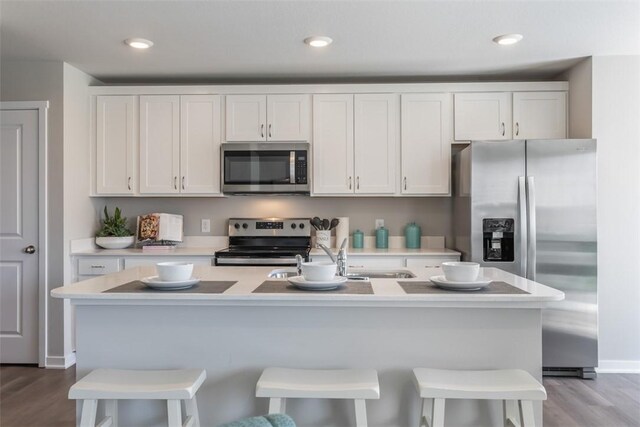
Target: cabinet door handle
{"points": [[357, 183], [129, 183], [262, 130], [175, 182], [97, 266], [269, 130], [517, 128], [405, 182], [183, 182], [350, 186], [503, 129]]}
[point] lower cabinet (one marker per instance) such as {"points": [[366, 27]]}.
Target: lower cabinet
{"points": [[88, 267], [392, 261], [140, 261]]}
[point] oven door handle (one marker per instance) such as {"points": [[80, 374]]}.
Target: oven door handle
{"points": [[254, 261]]}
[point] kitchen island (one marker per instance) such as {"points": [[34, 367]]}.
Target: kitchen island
{"points": [[235, 334]]}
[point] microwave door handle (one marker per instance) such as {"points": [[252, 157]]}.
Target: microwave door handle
{"points": [[292, 167], [532, 246], [522, 209]]}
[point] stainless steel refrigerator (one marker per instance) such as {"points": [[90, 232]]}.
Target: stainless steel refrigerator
{"points": [[529, 207]]}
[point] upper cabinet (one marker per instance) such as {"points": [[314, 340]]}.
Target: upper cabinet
{"points": [[506, 115], [333, 144], [482, 116], [376, 143], [267, 117], [355, 144], [426, 143], [116, 144], [539, 115]]}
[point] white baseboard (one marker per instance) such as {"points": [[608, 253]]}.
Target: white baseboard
{"points": [[60, 362], [618, 367]]}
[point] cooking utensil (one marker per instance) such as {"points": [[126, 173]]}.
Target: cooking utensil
{"points": [[316, 222], [325, 224], [334, 223]]}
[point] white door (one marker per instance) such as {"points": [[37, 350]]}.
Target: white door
{"points": [[333, 144], [376, 143], [159, 144], [482, 116], [19, 236], [200, 144], [116, 139], [426, 143], [540, 115], [246, 118], [288, 117]]}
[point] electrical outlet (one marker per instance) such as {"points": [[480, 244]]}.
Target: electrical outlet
{"points": [[379, 223], [205, 225]]}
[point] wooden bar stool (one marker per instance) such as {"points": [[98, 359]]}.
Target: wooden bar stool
{"points": [[516, 388], [279, 384], [112, 385]]}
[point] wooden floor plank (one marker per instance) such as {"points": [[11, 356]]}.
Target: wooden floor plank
{"points": [[33, 397]]}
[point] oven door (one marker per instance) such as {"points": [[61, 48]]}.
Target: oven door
{"points": [[265, 168]]}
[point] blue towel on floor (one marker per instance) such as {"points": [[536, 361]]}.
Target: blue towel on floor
{"points": [[271, 420]]}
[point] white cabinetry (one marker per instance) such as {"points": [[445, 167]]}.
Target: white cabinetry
{"points": [[379, 262], [426, 143], [116, 144], [539, 115], [482, 116], [355, 144], [376, 143], [267, 117], [333, 144], [180, 144]]}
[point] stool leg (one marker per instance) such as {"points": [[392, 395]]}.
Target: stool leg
{"points": [[174, 411], [361, 413], [111, 410], [438, 413], [191, 410], [528, 420], [275, 405], [89, 410], [511, 413], [427, 412]]}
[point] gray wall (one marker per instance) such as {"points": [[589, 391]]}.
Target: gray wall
{"points": [[432, 214]]}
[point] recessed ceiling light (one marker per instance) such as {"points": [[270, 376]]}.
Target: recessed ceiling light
{"points": [[507, 39], [318, 41], [139, 43]]}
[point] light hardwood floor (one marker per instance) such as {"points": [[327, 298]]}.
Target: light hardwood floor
{"points": [[32, 397]]}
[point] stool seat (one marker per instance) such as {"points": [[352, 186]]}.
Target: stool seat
{"points": [[503, 384], [322, 384], [180, 384]]}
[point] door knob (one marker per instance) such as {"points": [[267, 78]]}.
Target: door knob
{"points": [[30, 250]]}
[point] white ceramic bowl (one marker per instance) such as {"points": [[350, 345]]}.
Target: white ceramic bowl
{"points": [[319, 271], [174, 271], [111, 242], [461, 271]]}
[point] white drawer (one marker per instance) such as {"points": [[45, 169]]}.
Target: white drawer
{"points": [[429, 262], [377, 262], [97, 266], [146, 261]]}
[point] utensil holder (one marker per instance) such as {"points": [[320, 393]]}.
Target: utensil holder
{"points": [[324, 237]]}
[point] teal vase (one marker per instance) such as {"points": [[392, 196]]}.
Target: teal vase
{"points": [[382, 238], [412, 234], [358, 239]]}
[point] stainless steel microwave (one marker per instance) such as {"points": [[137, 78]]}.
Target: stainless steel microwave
{"points": [[265, 167]]}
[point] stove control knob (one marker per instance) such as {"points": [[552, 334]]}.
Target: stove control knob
{"points": [[237, 226], [245, 225], [301, 225], [293, 226]]}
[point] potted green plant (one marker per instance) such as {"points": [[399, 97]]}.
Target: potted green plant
{"points": [[114, 233]]}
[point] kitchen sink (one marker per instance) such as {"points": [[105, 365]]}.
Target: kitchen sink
{"points": [[358, 274]]}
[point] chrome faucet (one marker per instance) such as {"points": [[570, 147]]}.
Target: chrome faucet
{"points": [[299, 264], [341, 259]]}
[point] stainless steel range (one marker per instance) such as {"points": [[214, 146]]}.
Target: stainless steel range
{"points": [[266, 241]]}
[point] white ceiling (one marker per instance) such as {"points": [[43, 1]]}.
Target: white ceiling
{"points": [[262, 40]]}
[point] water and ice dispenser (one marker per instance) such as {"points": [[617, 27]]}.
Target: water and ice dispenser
{"points": [[498, 239]]}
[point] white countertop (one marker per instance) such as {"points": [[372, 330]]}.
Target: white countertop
{"points": [[392, 252], [387, 292]]}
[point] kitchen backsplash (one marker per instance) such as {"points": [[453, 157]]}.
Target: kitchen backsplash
{"points": [[432, 214]]}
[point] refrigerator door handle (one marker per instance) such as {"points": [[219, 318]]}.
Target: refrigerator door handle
{"points": [[532, 246], [522, 209]]}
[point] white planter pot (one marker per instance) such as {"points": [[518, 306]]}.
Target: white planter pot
{"points": [[115, 242]]}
